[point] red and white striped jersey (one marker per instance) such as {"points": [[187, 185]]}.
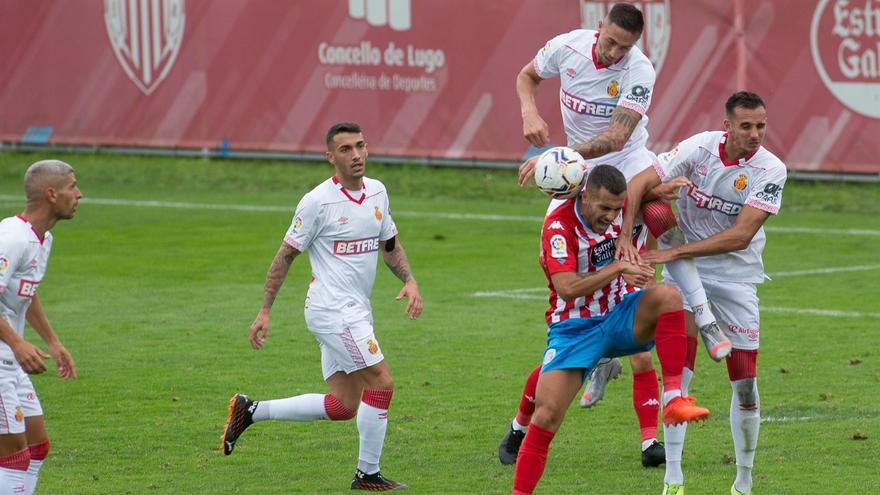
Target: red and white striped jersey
{"points": [[569, 245]]}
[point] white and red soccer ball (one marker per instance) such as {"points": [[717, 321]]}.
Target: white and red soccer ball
{"points": [[559, 172]]}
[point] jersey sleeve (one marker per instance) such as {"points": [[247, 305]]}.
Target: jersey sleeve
{"points": [[678, 161], [637, 87], [766, 193], [305, 225], [388, 229], [11, 254], [547, 61], [559, 246]]}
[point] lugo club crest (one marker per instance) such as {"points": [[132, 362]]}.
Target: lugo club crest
{"points": [[658, 25], [146, 37]]}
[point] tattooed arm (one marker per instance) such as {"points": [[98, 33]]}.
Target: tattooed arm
{"points": [[399, 266], [623, 123], [274, 279]]}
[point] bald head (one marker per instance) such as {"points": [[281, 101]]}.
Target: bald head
{"points": [[42, 175]]}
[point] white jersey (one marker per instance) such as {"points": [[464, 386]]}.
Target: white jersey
{"points": [[341, 232], [24, 257], [720, 189], [590, 92]]}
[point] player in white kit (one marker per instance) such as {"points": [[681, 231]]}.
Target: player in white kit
{"points": [[25, 243], [606, 87], [343, 223], [734, 185]]}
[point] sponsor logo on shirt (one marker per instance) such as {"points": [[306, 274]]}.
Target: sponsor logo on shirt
{"points": [[702, 170], [639, 94], [297, 224], [708, 202], [342, 220], [603, 253], [556, 225], [666, 158], [613, 88], [4, 264], [769, 195], [585, 107], [741, 182], [357, 246], [570, 72], [28, 288], [558, 248]]}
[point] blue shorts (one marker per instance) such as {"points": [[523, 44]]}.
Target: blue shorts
{"points": [[579, 343]]}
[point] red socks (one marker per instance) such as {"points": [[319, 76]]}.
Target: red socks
{"points": [[532, 459], [691, 357], [646, 402], [527, 403], [671, 347]]}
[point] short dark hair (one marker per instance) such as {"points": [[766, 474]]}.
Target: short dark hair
{"points": [[608, 177], [627, 16], [743, 99], [342, 127]]}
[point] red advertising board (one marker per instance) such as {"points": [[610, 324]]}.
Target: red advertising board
{"points": [[427, 78]]}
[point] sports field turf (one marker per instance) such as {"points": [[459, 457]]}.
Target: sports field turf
{"points": [[153, 285]]}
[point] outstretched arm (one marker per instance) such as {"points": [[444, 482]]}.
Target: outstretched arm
{"points": [[396, 261], [274, 280], [38, 321]]}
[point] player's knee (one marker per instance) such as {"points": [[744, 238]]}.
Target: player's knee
{"points": [[340, 410], [548, 416], [641, 362], [40, 450], [667, 298]]}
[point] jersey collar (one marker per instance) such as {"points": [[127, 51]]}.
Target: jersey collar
{"points": [[724, 161], [348, 195], [29, 224]]}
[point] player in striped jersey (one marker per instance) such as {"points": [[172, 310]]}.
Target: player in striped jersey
{"points": [[595, 313]]}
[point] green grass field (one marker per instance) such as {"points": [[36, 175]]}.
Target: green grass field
{"points": [[153, 285]]}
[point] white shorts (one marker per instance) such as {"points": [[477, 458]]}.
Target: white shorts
{"points": [[735, 305], [18, 398], [346, 339]]}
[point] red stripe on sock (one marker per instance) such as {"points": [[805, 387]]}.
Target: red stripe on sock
{"points": [[527, 402], [39, 451], [531, 459], [380, 399], [691, 358], [671, 347], [646, 402], [742, 363], [17, 461], [335, 410]]}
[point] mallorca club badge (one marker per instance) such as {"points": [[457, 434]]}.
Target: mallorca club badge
{"points": [[378, 214]]}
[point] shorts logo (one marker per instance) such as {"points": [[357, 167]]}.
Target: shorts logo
{"points": [[741, 182], [549, 355], [19, 415], [558, 247], [357, 246], [4, 264], [613, 89], [28, 288], [372, 347], [378, 214], [297, 224]]}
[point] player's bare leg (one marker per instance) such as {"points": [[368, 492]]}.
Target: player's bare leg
{"points": [[555, 391], [14, 460]]}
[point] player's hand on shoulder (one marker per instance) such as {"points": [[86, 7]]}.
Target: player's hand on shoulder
{"points": [[535, 130], [30, 357], [64, 361], [259, 329], [527, 170], [414, 304]]}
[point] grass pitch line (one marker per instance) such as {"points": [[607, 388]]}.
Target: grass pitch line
{"points": [[540, 294], [412, 214], [821, 271]]}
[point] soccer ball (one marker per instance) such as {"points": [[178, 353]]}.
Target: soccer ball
{"points": [[560, 172]]}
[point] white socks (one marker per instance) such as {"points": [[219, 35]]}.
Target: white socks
{"points": [[523, 428], [745, 422], [684, 273], [673, 437], [32, 476], [306, 407], [372, 423]]}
